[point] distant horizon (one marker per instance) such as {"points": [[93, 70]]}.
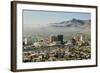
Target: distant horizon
{"points": [[41, 18], [67, 20]]}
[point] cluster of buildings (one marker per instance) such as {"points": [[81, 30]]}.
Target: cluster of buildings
{"points": [[51, 41], [58, 40], [55, 48], [80, 39]]}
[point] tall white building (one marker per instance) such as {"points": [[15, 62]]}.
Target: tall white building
{"points": [[25, 41]]}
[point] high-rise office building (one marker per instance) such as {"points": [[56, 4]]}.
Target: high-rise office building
{"points": [[60, 38]]}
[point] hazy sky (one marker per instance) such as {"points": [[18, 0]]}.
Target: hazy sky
{"points": [[44, 17]]}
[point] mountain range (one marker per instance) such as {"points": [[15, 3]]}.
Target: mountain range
{"points": [[72, 23]]}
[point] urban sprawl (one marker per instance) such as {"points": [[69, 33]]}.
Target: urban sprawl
{"points": [[55, 48]]}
